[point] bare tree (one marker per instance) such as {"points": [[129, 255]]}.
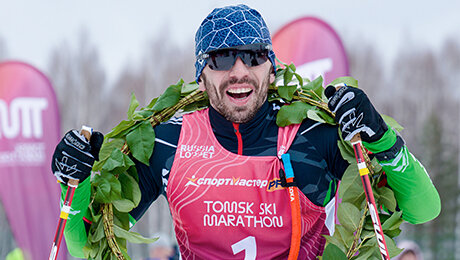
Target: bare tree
{"points": [[79, 80], [164, 63], [367, 67], [449, 60], [420, 92], [429, 111], [118, 96]]}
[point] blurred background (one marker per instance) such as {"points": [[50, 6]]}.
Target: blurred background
{"points": [[405, 55]]}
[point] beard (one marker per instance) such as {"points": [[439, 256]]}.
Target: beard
{"points": [[231, 112]]}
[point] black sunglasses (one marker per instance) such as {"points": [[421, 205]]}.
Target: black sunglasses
{"points": [[224, 59]]}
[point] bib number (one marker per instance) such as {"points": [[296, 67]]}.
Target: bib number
{"points": [[248, 245]]}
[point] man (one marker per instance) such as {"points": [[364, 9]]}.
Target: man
{"points": [[219, 168]]}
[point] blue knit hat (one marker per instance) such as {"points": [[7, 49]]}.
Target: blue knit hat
{"points": [[230, 26]]}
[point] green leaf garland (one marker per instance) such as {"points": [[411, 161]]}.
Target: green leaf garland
{"points": [[115, 189]]}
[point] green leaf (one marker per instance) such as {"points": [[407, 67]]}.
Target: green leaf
{"points": [[292, 67], [98, 232], [294, 113], [140, 142], [132, 237], [133, 104], [372, 245], [326, 117], [142, 115], [123, 205], [349, 216], [376, 166], [332, 252], [299, 79], [151, 104], [349, 81], [287, 92], [313, 115], [121, 219], [351, 188], [121, 242], [133, 173], [170, 97], [279, 76], [131, 194], [90, 250], [336, 239], [96, 250], [124, 251], [198, 105], [120, 129], [189, 88], [315, 86], [346, 236], [107, 149], [393, 232], [366, 252], [114, 161], [392, 123], [107, 186], [393, 222], [346, 150], [288, 74], [117, 163], [393, 250], [387, 198]]}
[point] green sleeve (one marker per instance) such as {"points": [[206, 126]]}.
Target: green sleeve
{"points": [[414, 191], [75, 232]]}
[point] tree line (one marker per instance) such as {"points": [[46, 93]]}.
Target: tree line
{"points": [[418, 89]]}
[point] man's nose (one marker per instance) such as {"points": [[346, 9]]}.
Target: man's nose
{"points": [[239, 69]]}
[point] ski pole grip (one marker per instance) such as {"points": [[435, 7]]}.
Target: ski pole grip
{"points": [[329, 92], [86, 131], [356, 138]]}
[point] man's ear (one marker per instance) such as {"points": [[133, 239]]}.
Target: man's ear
{"points": [[272, 75], [201, 81], [201, 84]]}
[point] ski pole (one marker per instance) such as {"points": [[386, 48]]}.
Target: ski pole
{"points": [[65, 210], [364, 173]]}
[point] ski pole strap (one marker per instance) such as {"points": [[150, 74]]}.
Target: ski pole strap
{"points": [[295, 206]]}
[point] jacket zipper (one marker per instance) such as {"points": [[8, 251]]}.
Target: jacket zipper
{"points": [[236, 127]]}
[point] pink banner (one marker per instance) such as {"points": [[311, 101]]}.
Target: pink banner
{"points": [[314, 47], [29, 131]]}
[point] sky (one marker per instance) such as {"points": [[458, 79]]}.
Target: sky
{"points": [[121, 29]]}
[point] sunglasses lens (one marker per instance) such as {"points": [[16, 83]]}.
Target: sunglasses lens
{"points": [[225, 59], [222, 60], [254, 58]]}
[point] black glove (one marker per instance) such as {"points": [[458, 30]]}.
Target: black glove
{"points": [[355, 114], [74, 156]]}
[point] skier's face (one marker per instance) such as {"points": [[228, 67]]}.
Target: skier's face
{"points": [[238, 93]]}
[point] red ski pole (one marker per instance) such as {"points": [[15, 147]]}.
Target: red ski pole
{"points": [[65, 210], [364, 173]]}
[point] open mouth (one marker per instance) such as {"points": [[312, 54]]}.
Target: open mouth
{"points": [[239, 93]]}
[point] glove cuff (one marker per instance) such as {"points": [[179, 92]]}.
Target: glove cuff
{"points": [[391, 141], [384, 143], [392, 152]]}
